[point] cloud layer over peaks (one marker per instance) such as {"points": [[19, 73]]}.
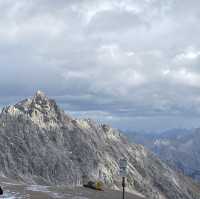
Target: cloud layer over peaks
{"points": [[134, 64]]}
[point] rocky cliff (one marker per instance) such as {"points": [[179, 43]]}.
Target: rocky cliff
{"points": [[41, 144]]}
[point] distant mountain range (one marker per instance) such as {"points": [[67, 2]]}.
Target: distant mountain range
{"points": [[41, 144], [179, 148]]}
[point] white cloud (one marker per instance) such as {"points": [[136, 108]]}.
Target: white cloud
{"points": [[130, 53], [183, 77], [189, 54]]}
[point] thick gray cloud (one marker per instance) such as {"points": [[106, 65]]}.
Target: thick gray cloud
{"points": [[133, 64]]}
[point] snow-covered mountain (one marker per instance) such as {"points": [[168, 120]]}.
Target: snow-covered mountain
{"points": [[43, 145]]}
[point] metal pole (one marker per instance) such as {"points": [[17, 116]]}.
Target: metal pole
{"points": [[123, 185]]}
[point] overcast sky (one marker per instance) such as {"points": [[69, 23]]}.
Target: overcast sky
{"points": [[134, 64]]}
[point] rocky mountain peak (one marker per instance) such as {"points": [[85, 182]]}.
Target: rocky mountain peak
{"points": [[39, 102], [40, 94], [41, 99], [41, 144], [40, 109]]}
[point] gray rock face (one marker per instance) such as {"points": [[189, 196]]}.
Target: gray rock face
{"points": [[41, 144]]}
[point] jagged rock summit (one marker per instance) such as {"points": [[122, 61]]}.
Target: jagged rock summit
{"points": [[41, 144], [40, 109]]}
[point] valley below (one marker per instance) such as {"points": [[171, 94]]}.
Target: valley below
{"points": [[178, 148]]}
